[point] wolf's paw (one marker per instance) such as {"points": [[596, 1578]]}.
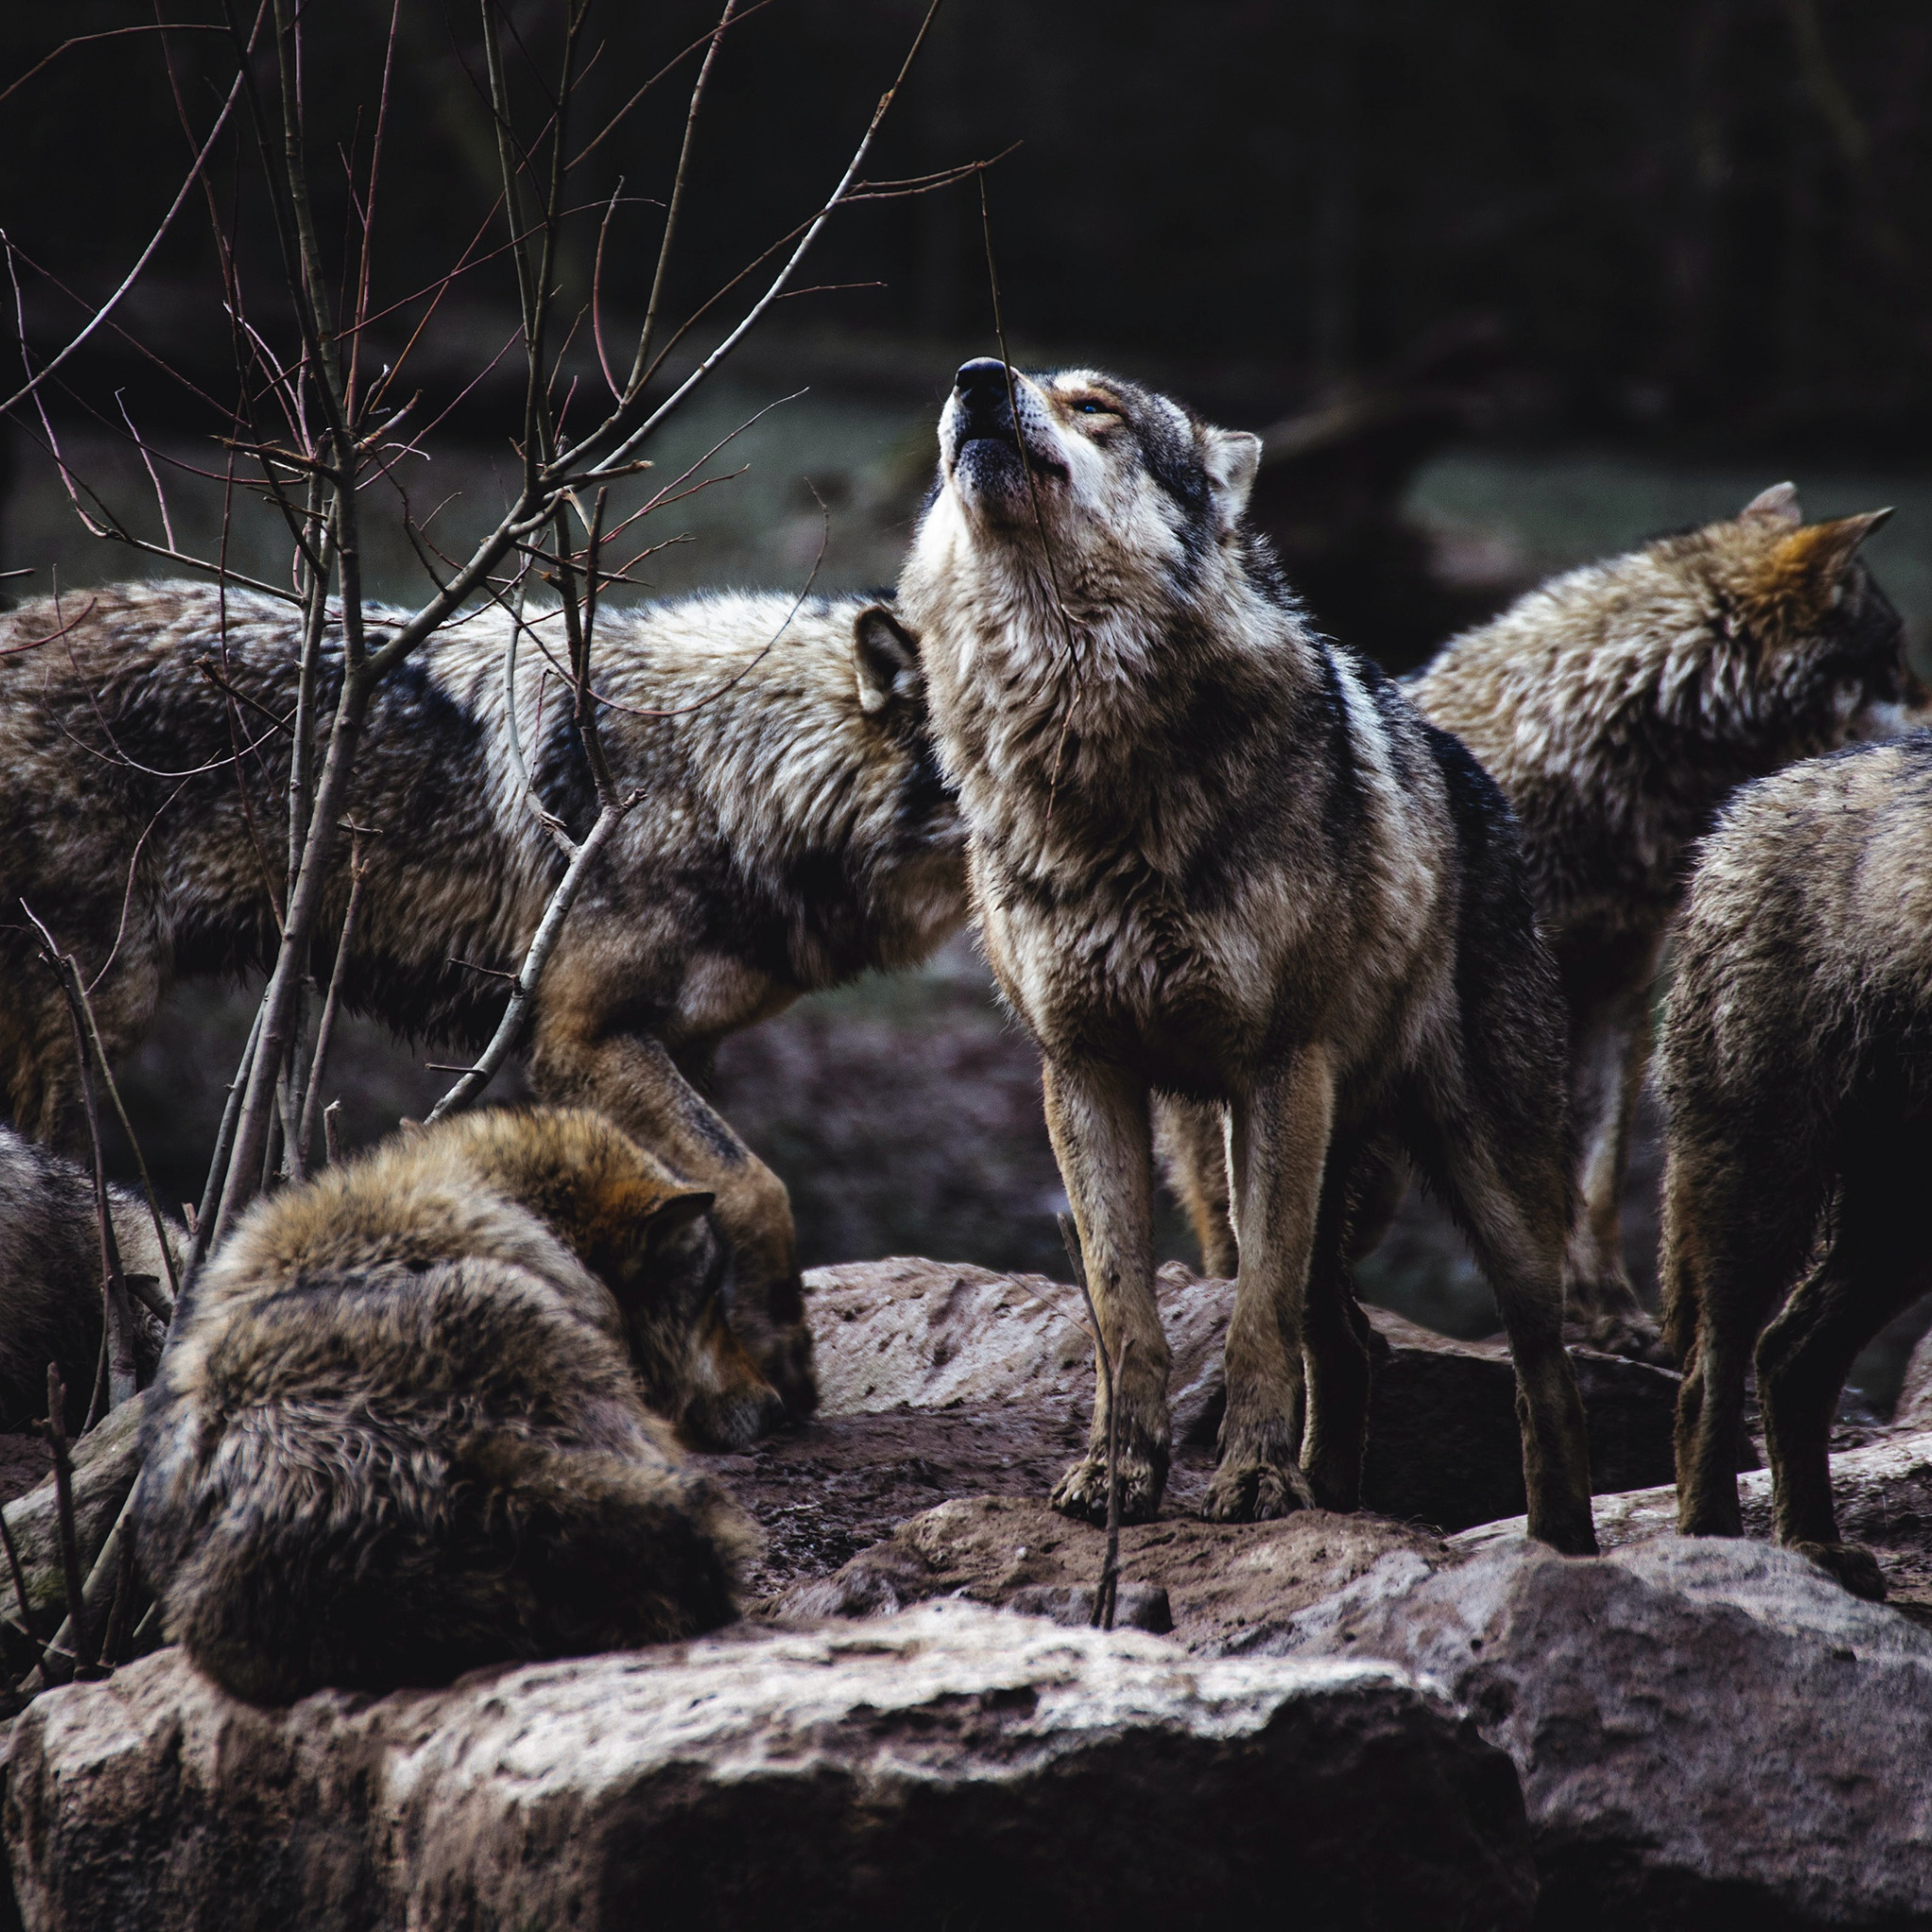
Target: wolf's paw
{"points": [[1082, 1491], [1631, 1334], [1857, 1568], [1257, 1492]]}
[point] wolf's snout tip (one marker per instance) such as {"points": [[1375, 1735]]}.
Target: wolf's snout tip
{"points": [[984, 374]]}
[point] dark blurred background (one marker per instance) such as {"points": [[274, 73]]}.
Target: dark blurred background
{"points": [[1506, 287]]}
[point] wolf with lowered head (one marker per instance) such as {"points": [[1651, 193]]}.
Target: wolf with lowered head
{"points": [[1796, 1070], [1215, 856], [793, 832], [404, 1426]]}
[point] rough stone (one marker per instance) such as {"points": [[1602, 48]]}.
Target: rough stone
{"points": [[1443, 1446], [1884, 1496], [1914, 1410], [950, 1766], [1709, 1732], [1222, 1588]]}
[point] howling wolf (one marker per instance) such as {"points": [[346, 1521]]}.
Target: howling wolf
{"points": [[401, 1428], [1215, 856], [794, 832], [1796, 1071], [1618, 707]]}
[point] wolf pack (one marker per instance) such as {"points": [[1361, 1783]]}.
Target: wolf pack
{"points": [[1287, 934]]}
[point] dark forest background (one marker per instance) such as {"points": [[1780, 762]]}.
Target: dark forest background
{"points": [[1711, 217]]}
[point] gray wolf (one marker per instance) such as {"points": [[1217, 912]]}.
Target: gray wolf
{"points": [[1217, 856], [50, 1279], [794, 833], [1618, 707], [402, 1428], [1795, 1064]]}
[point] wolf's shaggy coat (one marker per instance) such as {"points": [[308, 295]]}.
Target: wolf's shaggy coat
{"points": [[1796, 1069], [793, 833], [401, 1427], [1217, 856], [1618, 707], [50, 1278]]}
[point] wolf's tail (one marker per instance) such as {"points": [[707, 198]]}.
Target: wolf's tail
{"points": [[331, 1553]]}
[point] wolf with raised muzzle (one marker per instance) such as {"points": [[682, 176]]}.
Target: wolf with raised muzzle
{"points": [[1215, 856], [408, 1420], [793, 832]]}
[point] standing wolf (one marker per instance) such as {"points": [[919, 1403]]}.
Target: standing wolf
{"points": [[1216, 857], [793, 833], [401, 1428], [1618, 707], [1796, 1070]]}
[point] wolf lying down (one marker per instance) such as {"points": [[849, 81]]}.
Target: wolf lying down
{"points": [[1216, 857], [50, 1279], [793, 833], [401, 1427]]}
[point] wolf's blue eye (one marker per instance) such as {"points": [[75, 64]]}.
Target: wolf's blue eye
{"points": [[1088, 406]]}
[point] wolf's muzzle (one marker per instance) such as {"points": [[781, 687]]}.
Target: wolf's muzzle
{"points": [[985, 406]]}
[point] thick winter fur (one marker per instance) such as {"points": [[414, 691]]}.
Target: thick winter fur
{"points": [[793, 833], [1618, 707], [401, 1431], [1796, 1068], [51, 1274], [1216, 857]]}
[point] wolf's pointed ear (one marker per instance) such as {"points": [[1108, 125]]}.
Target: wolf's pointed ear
{"points": [[1777, 506], [1232, 457], [885, 661], [675, 1213], [1809, 566]]}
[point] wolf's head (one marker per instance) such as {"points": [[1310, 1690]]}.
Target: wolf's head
{"points": [[1137, 500]]}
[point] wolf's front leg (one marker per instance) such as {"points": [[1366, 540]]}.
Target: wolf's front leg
{"points": [[632, 1078], [1609, 1047], [1098, 1115], [1279, 1147]]}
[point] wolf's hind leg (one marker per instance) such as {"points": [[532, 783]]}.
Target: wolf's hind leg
{"points": [[1280, 1146], [1875, 1268], [1097, 1116], [1190, 1141], [1505, 1181], [1336, 1343]]}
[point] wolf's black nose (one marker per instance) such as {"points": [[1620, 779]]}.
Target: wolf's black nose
{"points": [[983, 377]]}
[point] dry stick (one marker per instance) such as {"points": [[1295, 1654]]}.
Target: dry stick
{"points": [[330, 1145], [114, 1380], [358, 872], [120, 1611], [19, 1575], [1060, 602], [63, 1510], [1107, 1591], [201, 1218]]}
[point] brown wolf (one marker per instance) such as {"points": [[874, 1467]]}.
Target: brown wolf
{"points": [[401, 1429], [794, 833], [50, 1279], [1618, 707], [1215, 856], [1796, 1069]]}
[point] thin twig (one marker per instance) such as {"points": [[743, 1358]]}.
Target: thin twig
{"points": [[326, 1026], [63, 1514], [1106, 1593]]}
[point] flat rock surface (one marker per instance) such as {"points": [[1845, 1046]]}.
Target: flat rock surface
{"points": [[1443, 1446], [1221, 1587], [1884, 1496], [1709, 1731], [951, 1766]]}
